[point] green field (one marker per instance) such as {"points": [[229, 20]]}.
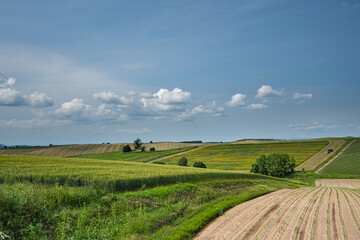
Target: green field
{"points": [[242, 156], [347, 163], [73, 198], [135, 156]]}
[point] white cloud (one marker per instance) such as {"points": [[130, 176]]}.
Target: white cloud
{"points": [[311, 126], [11, 97], [350, 5], [111, 98], [255, 106], [267, 91], [165, 100], [302, 95], [32, 123], [77, 110], [237, 100], [39, 100], [212, 110]]}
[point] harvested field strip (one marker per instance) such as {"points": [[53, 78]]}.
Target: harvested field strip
{"points": [[339, 183], [321, 156], [306, 213], [75, 150]]}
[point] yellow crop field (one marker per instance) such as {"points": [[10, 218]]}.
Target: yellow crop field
{"points": [[242, 156]]}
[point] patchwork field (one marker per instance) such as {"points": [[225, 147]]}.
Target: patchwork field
{"points": [[305, 213], [76, 150], [348, 162], [242, 156], [135, 156]]}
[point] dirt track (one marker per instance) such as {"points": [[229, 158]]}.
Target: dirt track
{"points": [[304, 213]]}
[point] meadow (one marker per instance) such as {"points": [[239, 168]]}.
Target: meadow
{"points": [[68, 198], [135, 156], [347, 163], [242, 156]]}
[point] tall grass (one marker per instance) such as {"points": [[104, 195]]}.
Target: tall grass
{"points": [[112, 175]]}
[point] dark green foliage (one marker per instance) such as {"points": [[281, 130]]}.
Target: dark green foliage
{"points": [[137, 143], [126, 148], [199, 164], [276, 165], [183, 161], [152, 149], [143, 149]]}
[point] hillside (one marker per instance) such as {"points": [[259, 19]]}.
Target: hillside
{"points": [[347, 162], [82, 149], [242, 156]]}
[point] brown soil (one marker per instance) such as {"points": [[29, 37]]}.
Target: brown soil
{"points": [[324, 212]]}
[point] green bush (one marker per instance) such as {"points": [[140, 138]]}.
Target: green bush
{"points": [[199, 164], [276, 165], [126, 148], [152, 149], [183, 161]]}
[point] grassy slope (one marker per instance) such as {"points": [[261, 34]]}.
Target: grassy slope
{"points": [[178, 211], [35, 205], [347, 163], [321, 156], [135, 156], [242, 156]]}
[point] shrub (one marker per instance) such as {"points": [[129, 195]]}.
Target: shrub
{"points": [[126, 148], [143, 149], [183, 161], [152, 149], [276, 165], [199, 165]]}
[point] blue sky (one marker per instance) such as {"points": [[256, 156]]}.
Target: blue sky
{"points": [[112, 71]]}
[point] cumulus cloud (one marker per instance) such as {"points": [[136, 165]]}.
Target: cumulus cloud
{"points": [[255, 106], [212, 110], [311, 126], [266, 91], [77, 110], [39, 100], [11, 97], [302, 96], [111, 98], [237, 100], [32, 123]]}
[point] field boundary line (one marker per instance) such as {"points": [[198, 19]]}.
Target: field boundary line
{"points": [[322, 168]]}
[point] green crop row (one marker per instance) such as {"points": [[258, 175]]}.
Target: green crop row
{"points": [[347, 163], [113, 175]]}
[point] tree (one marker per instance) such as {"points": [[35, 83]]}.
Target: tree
{"points": [[143, 149], [137, 143], [183, 161], [199, 165], [152, 149], [126, 148], [276, 165]]}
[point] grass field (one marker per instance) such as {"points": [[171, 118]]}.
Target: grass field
{"points": [[242, 156], [135, 156], [74, 198], [347, 163], [113, 175]]}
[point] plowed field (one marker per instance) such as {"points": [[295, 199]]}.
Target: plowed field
{"points": [[306, 213]]}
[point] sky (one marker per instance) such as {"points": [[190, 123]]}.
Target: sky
{"points": [[113, 71]]}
